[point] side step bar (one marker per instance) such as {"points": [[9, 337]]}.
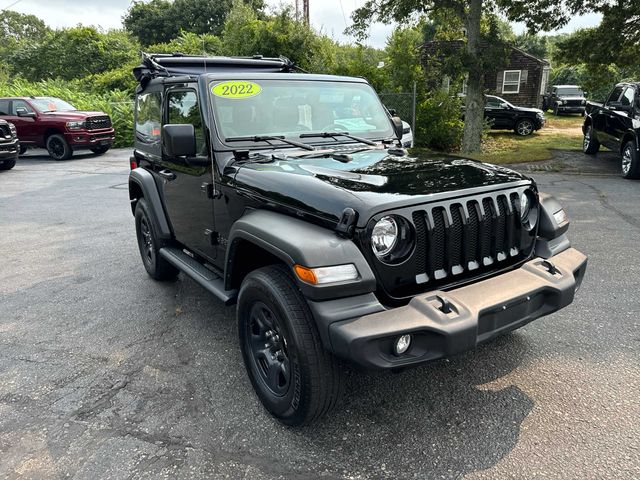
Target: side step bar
{"points": [[198, 272]]}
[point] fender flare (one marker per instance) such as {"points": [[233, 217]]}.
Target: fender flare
{"points": [[295, 241], [144, 180]]}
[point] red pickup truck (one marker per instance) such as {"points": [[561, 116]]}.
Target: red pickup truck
{"points": [[51, 123]]}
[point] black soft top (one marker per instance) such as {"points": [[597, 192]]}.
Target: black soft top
{"points": [[169, 65]]}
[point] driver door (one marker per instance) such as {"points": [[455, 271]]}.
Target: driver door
{"points": [[25, 125], [497, 115], [186, 181]]}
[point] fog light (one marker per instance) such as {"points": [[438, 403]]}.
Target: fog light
{"points": [[402, 344]]}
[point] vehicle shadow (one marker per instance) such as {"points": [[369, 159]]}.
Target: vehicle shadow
{"points": [[440, 420], [41, 156]]}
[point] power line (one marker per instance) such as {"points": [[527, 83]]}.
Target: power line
{"points": [[10, 5]]}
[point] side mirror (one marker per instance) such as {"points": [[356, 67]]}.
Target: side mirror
{"points": [[397, 126], [392, 112], [179, 140], [23, 112]]}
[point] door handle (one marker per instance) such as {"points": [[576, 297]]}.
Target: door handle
{"points": [[167, 174]]}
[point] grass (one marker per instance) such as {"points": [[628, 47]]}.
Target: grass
{"points": [[559, 133]]}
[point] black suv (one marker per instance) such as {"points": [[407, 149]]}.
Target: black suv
{"points": [[9, 145], [289, 195], [616, 125], [503, 115], [565, 99]]}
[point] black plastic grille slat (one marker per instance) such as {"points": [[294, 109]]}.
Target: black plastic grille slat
{"points": [[515, 200], [456, 232], [438, 245], [501, 229], [487, 230], [4, 131], [421, 242], [471, 243]]}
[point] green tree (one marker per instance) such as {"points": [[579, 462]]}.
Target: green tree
{"points": [[73, 53], [537, 15], [160, 21], [403, 58], [535, 45]]}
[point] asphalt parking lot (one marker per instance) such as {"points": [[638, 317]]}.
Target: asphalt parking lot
{"points": [[105, 373]]}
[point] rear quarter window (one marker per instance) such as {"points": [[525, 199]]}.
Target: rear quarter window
{"points": [[149, 118]]}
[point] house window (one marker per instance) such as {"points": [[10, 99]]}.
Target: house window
{"points": [[511, 81]]}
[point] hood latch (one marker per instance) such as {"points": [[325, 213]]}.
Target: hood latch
{"points": [[347, 223]]}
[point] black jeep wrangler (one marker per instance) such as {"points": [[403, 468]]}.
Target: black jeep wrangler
{"points": [[9, 146], [289, 195]]}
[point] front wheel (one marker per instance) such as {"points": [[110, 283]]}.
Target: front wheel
{"points": [[294, 377], [630, 160], [556, 110], [58, 147], [100, 150], [524, 127], [590, 144], [7, 164]]}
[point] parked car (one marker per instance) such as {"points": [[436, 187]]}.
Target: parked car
{"points": [[565, 99], [51, 123], [272, 192], [502, 115], [407, 135], [614, 124], [8, 145]]}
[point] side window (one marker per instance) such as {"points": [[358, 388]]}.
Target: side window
{"points": [[182, 107], [493, 103], [149, 117], [4, 107], [627, 97], [16, 104], [615, 95]]}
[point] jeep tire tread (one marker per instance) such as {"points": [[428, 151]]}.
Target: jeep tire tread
{"points": [[273, 313], [149, 244]]}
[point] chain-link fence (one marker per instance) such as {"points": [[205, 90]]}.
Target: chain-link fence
{"points": [[404, 104]]}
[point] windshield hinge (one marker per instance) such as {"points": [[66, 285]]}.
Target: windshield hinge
{"points": [[347, 223]]}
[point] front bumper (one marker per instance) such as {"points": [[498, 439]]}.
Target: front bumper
{"points": [[571, 108], [479, 312], [90, 139], [9, 150]]}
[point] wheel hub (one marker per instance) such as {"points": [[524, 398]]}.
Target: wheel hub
{"points": [[268, 349]]}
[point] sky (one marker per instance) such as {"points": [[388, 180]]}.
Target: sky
{"points": [[329, 16]]}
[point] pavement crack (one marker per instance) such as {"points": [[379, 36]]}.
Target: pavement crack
{"points": [[604, 201]]}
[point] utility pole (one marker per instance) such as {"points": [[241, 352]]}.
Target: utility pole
{"points": [[297, 10], [305, 7]]}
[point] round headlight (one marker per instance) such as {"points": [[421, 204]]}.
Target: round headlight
{"points": [[528, 209], [384, 236]]}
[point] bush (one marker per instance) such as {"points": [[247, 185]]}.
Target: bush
{"points": [[439, 122], [117, 104]]}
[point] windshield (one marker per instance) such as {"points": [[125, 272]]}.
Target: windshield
{"points": [[51, 104], [294, 107], [571, 91]]}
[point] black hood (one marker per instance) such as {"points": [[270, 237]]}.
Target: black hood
{"points": [[371, 182]]}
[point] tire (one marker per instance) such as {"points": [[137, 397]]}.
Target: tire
{"points": [[524, 127], [149, 244], [545, 106], [630, 160], [23, 149], [58, 147], [556, 110], [294, 376], [590, 144], [7, 164], [100, 150]]}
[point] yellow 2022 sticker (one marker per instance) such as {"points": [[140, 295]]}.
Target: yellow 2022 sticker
{"points": [[236, 89]]}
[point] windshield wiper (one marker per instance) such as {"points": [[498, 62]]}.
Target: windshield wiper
{"points": [[337, 134], [267, 138]]}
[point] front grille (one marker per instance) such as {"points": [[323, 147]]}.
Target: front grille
{"points": [[464, 238], [5, 132], [97, 123], [573, 103]]}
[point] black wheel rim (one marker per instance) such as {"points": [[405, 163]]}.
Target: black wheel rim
{"points": [[56, 148], [268, 349], [146, 242]]}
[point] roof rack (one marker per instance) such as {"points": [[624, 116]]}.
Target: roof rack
{"points": [[155, 65]]}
